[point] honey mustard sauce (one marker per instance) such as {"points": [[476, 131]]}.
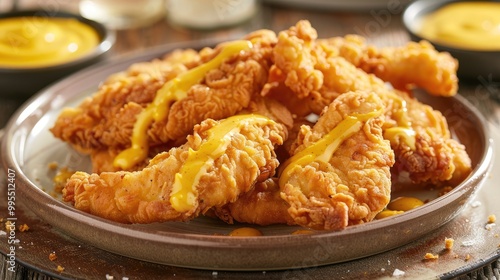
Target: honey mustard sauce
{"points": [[471, 25], [174, 90], [30, 42], [183, 195]]}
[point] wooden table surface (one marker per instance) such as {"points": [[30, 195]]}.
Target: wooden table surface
{"points": [[381, 27]]}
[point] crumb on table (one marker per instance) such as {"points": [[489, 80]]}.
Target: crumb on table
{"points": [[23, 228], [53, 256], [9, 226], [448, 243], [431, 256], [492, 218], [60, 268]]}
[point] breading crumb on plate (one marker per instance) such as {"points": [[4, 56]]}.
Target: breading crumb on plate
{"points": [[431, 256]]}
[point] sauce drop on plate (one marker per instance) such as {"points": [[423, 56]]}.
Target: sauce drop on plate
{"points": [[245, 231]]}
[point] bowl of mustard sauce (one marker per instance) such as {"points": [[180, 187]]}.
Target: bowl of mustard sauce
{"points": [[468, 30], [39, 47]]}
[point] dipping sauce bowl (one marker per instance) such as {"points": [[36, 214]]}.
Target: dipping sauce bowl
{"points": [[38, 48], [468, 30]]}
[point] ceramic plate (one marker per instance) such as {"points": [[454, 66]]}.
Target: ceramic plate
{"points": [[28, 148]]}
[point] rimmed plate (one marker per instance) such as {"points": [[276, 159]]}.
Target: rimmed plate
{"points": [[28, 148]]}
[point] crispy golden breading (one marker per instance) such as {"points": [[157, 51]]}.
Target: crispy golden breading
{"points": [[436, 157], [144, 196], [355, 184], [102, 159], [414, 64], [107, 118], [262, 205], [313, 75]]}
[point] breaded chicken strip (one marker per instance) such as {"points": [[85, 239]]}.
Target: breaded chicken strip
{"points": [[412, 65], [307, 77], [422, 142], [220, 161], [302, 62], [106, 119], [339, 174], [103, 124]]}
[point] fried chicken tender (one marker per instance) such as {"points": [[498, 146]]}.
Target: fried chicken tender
{"points": [[435, 157], [244, 156], [416, 64], [312, 74], [102, 125], [107, 118], [353, 183]]}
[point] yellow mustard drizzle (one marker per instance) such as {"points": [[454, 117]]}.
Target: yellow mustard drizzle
{"points": [[42, 41], [401, 133], [324, 148], [404, 130], [183, 197], [174, 90]]}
